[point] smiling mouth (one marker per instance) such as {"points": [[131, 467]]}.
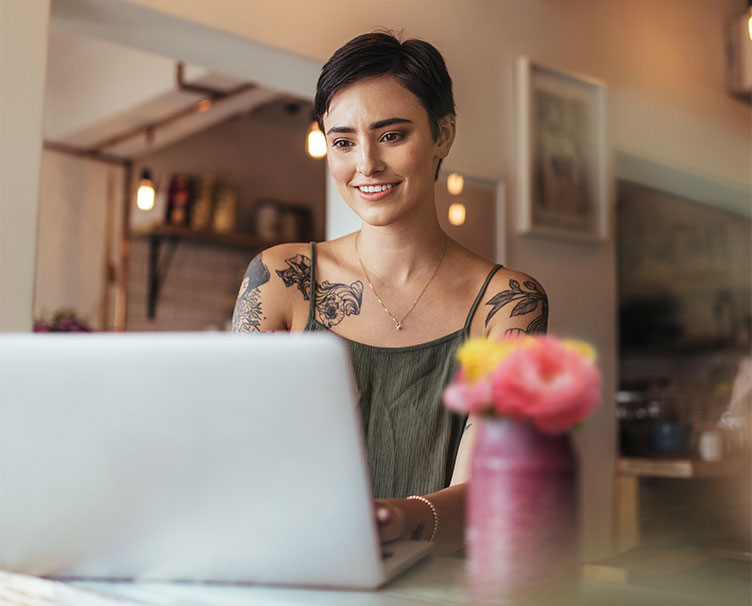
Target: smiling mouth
{"points": [[375, 189]]}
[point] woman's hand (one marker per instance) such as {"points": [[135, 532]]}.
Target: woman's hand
{"points": [[403, 520], [390, 519], [414, 520]]}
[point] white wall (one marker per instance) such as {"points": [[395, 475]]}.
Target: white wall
{"points": [[188, 40], [115, 79], [663, 62], [23, 46], [79, 227]]}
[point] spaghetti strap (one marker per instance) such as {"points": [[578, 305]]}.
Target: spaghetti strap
{"points": [[481, 292], [312, 285]]}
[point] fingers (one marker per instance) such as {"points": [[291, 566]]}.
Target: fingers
{"points": [[390, 521], [383, 515]]}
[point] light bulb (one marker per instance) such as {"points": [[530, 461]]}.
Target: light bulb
{"points": [[315, 141], [457, 213], [145, 194], [455, 184]]}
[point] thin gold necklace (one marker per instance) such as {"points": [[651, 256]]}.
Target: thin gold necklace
{"points": [[398, 323]]}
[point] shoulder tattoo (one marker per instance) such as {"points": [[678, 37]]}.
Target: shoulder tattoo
{"points": [[333, 302], [298, 273], [247, 315], [526, 300]]}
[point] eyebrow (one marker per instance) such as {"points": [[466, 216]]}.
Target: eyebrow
{"points": [[372, 126]]}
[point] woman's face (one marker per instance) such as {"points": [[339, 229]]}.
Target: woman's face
{"points": [[381, 152]]}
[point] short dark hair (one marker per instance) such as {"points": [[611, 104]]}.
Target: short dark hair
{"points": [[416, 64]]}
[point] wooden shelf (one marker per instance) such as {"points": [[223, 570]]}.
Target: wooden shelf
{"points": [[232, 240], [676, 468]]}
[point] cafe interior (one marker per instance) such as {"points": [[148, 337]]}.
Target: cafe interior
{"points": [[159, 145]]}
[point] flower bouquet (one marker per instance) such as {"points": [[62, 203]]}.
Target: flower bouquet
{"points": [[522, 520], [63, 320]]}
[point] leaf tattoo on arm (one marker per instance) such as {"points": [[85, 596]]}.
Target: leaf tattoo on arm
{"points": [[333, 302], [526, 301], [247, 315]]}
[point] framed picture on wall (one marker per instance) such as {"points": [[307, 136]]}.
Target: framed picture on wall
{"points": [[562, 156]]}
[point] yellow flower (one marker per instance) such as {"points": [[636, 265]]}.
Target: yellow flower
{"points": [[584, 349], [479, 357]]}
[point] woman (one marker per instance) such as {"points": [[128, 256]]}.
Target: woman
{"points": [[400, 291]]}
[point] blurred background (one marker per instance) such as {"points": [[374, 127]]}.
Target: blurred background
{"points": [[209, 105]]}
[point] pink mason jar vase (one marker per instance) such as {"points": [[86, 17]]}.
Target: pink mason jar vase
{"points": [[522, 519]]}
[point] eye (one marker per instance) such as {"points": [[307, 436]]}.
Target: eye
{"points": [[392, 137], [341, 143]]}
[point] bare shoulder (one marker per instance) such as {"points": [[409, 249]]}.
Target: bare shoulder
{"points": [[514, 303], [339, 252], [277, 256], [263, 303], [290, 261]]}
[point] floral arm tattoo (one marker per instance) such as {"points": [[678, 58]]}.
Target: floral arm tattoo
{"points": [[332, 301], [527, 300], [247, 315]]}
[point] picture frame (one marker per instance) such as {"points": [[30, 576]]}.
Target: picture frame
{"points": [[562, 157]]}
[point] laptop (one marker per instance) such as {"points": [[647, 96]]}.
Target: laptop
{"points": [[187, 457]]}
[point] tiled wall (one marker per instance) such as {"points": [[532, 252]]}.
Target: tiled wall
{"points": [[199, 288]]}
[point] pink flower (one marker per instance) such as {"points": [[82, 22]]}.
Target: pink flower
{"points": [[553, 385], [465, 397]]}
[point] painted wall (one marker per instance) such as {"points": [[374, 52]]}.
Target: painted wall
{"points": [[78, 238], [114, 80], [23, 47]]}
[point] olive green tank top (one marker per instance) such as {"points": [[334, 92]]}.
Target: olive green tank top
{"points": [[411, 438]]}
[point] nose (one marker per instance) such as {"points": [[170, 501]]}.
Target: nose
{"points": [[369, 161]]}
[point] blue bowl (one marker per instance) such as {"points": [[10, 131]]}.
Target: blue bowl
{"points": [[670, 437]]}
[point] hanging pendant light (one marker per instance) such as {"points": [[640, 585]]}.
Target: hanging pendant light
{"points": [[315, 141], [455, 184], [457, 213], [145, 194]]}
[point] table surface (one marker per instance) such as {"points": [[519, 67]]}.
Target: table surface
{"points": [[677, 468], [438, 581]]}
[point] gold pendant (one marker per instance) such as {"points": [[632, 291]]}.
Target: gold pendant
{"points": [[398, 325]]}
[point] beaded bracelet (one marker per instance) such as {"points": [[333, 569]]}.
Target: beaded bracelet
{"points": [[433, 511]]}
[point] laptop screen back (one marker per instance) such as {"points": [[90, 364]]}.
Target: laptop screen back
{"points": [[184, 456]]}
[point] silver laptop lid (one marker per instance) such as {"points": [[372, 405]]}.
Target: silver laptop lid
{"points": [[184, 456]]}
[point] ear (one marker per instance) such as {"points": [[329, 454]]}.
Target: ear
{"points": [[447, 131]]}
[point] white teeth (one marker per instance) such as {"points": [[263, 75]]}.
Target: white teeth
{"points": [[372, 189]]}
